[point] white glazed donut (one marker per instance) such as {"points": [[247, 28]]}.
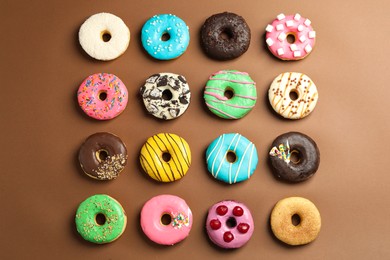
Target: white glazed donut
{"points": [[293, 95], [104, 36]]}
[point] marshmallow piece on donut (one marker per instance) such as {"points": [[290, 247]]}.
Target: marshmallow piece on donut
{"points": [[279, 27], [293, 47], [280, 51], [281, 17], [297, 17], [269, 28], [95, 27], [297, 54], [302, 38], [300, 28], [290, 23], [312, 34], [308, 48], [269, 41], [307, 22], [282, 36]]}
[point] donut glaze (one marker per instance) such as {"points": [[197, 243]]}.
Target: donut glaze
{"points": [[242, 88], [299, 28], [231, 172], [102, 96], [225, 36], [152, 36], [92, 36], [114, 219], [293, 95], [161, 168], [282, 224], [113, 162], [229, 224], [166, 233], [166, 95], [307, 152]]}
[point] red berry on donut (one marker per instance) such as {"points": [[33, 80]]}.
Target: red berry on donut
{"points": [[238, 211], [243, 228], [228, 237], [215, 224], [222, 210]]}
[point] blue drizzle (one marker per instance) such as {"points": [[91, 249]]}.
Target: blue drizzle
{"points": [[221, 168], [156, 27]]}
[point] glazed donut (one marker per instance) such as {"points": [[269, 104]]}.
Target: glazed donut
{"points": [[103, 156], [166, 219], [104, 36], [100, 219], [229, 224], [295, 221], [165, 157], [293, 95], [230, 94], [166, 95], [165, 36], [296, 169], [225, 36], [299, 28], [102, 96], [236, 169]]}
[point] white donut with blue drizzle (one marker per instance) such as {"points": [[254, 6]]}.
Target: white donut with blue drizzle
{"points": [[219, 165], [165, 36]]}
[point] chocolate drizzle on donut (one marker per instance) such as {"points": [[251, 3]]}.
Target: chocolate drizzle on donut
{"points": [[225, 36], [298, 169], [166, 95]]}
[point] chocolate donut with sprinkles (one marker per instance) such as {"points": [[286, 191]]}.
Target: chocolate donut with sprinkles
{"points": [[230, 94]]}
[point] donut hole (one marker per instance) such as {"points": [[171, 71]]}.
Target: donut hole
{"points": [[231, 157], [102, 95], [101, 155], [294, 95], [229, 93], [295, 157], [295, 219], [106, 36], [166, 157], [226, 34], [165, 37], [231, 222], [100, 219], [166, 219], [291, 38], [167, 95]]}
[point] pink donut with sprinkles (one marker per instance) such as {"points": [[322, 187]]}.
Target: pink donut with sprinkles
{"points": [[229, 224], [290, 37], [102, 96]]}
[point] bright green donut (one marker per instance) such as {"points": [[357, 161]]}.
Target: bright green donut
{"points": [[241, 87], [111, 229]]}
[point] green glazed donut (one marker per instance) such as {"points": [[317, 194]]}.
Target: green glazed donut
{"points": [[230, 94], [100, 219]]}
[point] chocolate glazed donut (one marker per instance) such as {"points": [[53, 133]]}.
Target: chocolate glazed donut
{"points": [[225, 36], [103, 156], [294, 157]]}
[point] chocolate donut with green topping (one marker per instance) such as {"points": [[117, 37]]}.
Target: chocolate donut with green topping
{"points": [[100, 219], [103, 156], [225, 36], [294, 157]]}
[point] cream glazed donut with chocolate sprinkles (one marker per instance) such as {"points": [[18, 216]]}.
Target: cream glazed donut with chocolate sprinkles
{"points": [[293, 95], [166, 95], [290, 37]]}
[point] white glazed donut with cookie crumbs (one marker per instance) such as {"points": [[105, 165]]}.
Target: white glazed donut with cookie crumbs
{"points": [[293, 95], [104, 36]]}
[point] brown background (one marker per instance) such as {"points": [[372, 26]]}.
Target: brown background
{"points": [[42, 129]]}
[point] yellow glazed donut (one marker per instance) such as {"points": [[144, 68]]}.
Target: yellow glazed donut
{"points": [[295, 221], [165, 157]]}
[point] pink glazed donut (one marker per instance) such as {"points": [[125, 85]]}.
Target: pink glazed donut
{"points": [[102, 96], [229, 224], [166, 219], [294, 26]]}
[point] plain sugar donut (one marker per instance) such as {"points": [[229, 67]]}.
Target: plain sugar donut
{"points": [[104, 36], [166, 219], [295, 221], [293, 95]]}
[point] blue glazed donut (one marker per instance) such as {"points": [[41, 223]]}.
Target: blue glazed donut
{"points": [[244, 155], [165, 36]]}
